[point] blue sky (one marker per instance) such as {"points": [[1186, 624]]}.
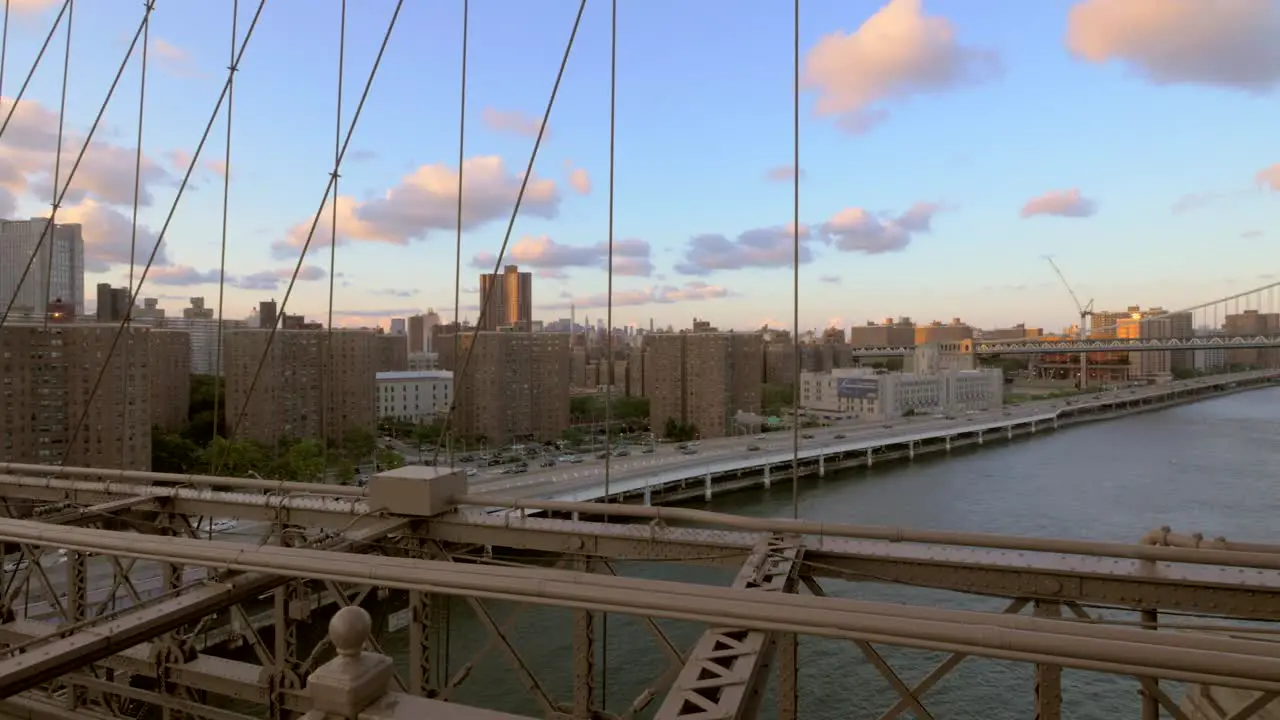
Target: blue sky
{"points": [[947, 147]]}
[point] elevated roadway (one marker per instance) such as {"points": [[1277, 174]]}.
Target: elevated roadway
{"points": [[1041, 347], [668, 465]]}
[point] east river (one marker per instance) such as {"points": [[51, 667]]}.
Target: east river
{"points": [[1206, 467]]}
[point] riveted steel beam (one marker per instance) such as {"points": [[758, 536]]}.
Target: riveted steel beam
{"points": [[726, 669]]}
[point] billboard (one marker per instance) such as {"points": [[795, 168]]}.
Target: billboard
{"points": [[858, 388]]}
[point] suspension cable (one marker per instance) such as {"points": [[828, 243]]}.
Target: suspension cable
{"points": [[4, 43], [61, 195], [461, 371], [326, 360], [164, 230], [315, 222], [50, 228], [795, 260], [125, 388], [219, 369], [608, 403], [457, 258], [17, 99]]}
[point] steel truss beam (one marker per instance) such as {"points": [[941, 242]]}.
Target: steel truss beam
{"points": [[1120, 582], [726, 668], [65, 650]]}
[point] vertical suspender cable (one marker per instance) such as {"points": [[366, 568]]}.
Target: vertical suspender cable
{"points": [[795, 288], [608, 404], [326, 363], [457, 258], [219, 374], [125, 389], [50, 230]]}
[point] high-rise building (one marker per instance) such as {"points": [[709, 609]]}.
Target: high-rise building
{"points": [[1252, 323], [421, 332], [506, 300], [398, 326], [169, 357], [391, 353], [703, 379], [46, 385], [515, 386], [293, 397], [113, 303], [57, 272]]}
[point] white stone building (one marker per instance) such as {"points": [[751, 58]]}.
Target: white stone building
{"points": [[859, 393], [419, 396]]}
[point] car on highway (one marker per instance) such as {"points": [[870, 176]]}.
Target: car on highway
{"points": [[689, 451], [753, 447], [839, 436]]}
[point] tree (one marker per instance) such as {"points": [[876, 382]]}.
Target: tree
{"points": [[173, 453], [630, 408], [237, 458], [303, 462], [389, 459], [202, 426], [344, 470], [358, 444]]}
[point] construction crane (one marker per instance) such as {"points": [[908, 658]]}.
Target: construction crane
{"points": [[1086, 312]]}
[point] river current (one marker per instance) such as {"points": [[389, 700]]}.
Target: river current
{"points": [[1207, 467]]}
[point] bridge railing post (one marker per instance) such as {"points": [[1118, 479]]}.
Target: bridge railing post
{"points": [[344, 687]]}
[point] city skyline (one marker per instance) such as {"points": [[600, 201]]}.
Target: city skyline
{"points": [[1074, 120]]}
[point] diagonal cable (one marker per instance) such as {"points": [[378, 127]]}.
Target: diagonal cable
{"points": [[795, 280], [219, 372], [13, 107], [461, 372], [608, 402], [457, 257], [164, 229], [61, 195], [233, 431], [326, 393], [57, 170], [125, 385], [4, 43]]}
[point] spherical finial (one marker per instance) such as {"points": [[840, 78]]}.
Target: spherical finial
{"points": [[349, 630]]}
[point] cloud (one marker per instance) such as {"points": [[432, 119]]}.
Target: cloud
{"points": [[183, 275], [512, 122], [217, 167], [103, 182], [897, 53], [426, 200], [172, 58], [1193, 201], [1228, 43], [782, 173], [109, 238], [392, 292], [856, 230], [550, 258], [759, 247], [580, 180], [830, 279], [1250, 234], [1063, 203], [1269, 177], [32, 6], [653, 295]]}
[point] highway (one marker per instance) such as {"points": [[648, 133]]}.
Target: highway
{"points": [[546, 483], [146, 576]]}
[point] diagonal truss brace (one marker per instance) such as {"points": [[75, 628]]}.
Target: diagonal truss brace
{"points": [[726, 668]]}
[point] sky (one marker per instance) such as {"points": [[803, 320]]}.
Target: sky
{"points": [[946, 148]]}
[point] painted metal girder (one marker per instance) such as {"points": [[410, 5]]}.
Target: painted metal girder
{"points": [[727, 668]]}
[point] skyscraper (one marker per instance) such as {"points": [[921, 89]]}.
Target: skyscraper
{"points": [[56, 274], [506, 300]]}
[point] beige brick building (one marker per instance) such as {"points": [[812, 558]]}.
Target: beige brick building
{"points": [[48, 375], [289, 398], [515, 386], [703, 378], [170, 386]]}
